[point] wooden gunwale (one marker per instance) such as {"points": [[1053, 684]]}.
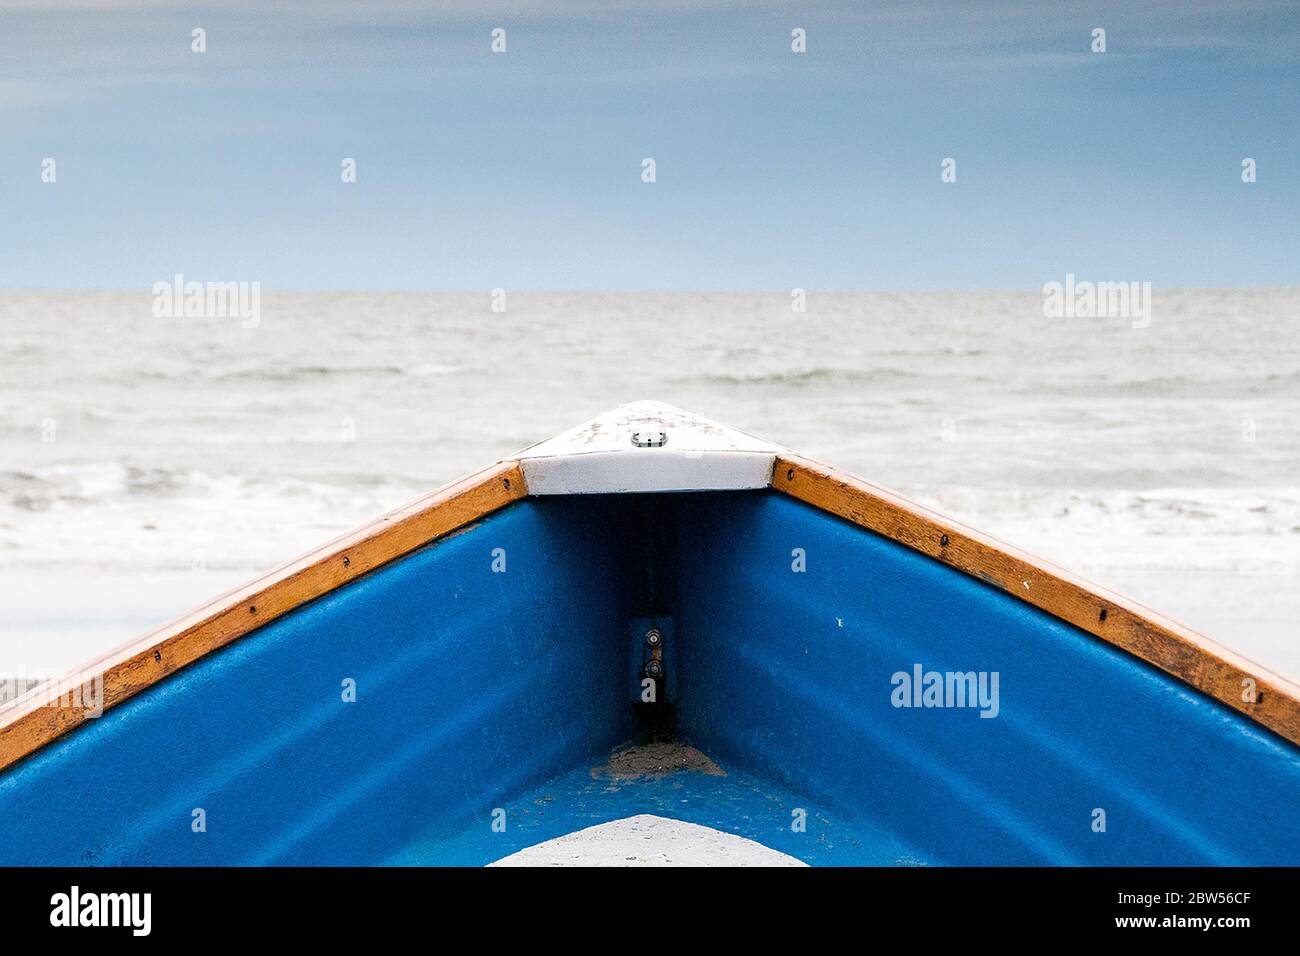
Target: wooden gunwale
{"points": [[1196, 660], [30, 721]]}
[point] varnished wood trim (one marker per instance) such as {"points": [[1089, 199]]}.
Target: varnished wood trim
{"points": [[29, 722], [1177, 650]]}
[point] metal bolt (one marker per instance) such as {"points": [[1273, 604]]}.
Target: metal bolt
{"points": [[653, 638], [654, 668], [649, 439]]}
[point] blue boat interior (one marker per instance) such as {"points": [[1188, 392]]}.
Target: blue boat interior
{"points": [[463, 703]]}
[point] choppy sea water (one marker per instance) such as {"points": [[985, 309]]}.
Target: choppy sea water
{"points": [[148, 463]]}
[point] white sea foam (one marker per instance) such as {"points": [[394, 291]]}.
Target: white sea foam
{"points": [[1152, 459]]}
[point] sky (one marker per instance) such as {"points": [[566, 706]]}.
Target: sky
{"points": [[774, 169]]}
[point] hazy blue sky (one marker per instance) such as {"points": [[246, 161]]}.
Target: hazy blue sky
{"points": [[774, 169]]}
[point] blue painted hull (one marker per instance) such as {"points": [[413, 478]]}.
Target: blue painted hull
{"points": [[479, 691]]}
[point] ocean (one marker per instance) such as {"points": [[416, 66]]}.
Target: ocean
{"points": [[148, 463]]}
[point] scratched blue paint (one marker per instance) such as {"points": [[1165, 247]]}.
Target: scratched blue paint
{"points": [[741, 802], [478, 690], [790, 676], [470, 685]]}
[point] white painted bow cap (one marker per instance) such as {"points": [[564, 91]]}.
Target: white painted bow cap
{"points": [[647, 446]]}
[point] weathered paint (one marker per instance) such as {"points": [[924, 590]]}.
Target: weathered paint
{"points": [[647, 446], [29, 723], [479, 690], [1217, 671], [788, 674], [598, 457], [470, 685]]}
